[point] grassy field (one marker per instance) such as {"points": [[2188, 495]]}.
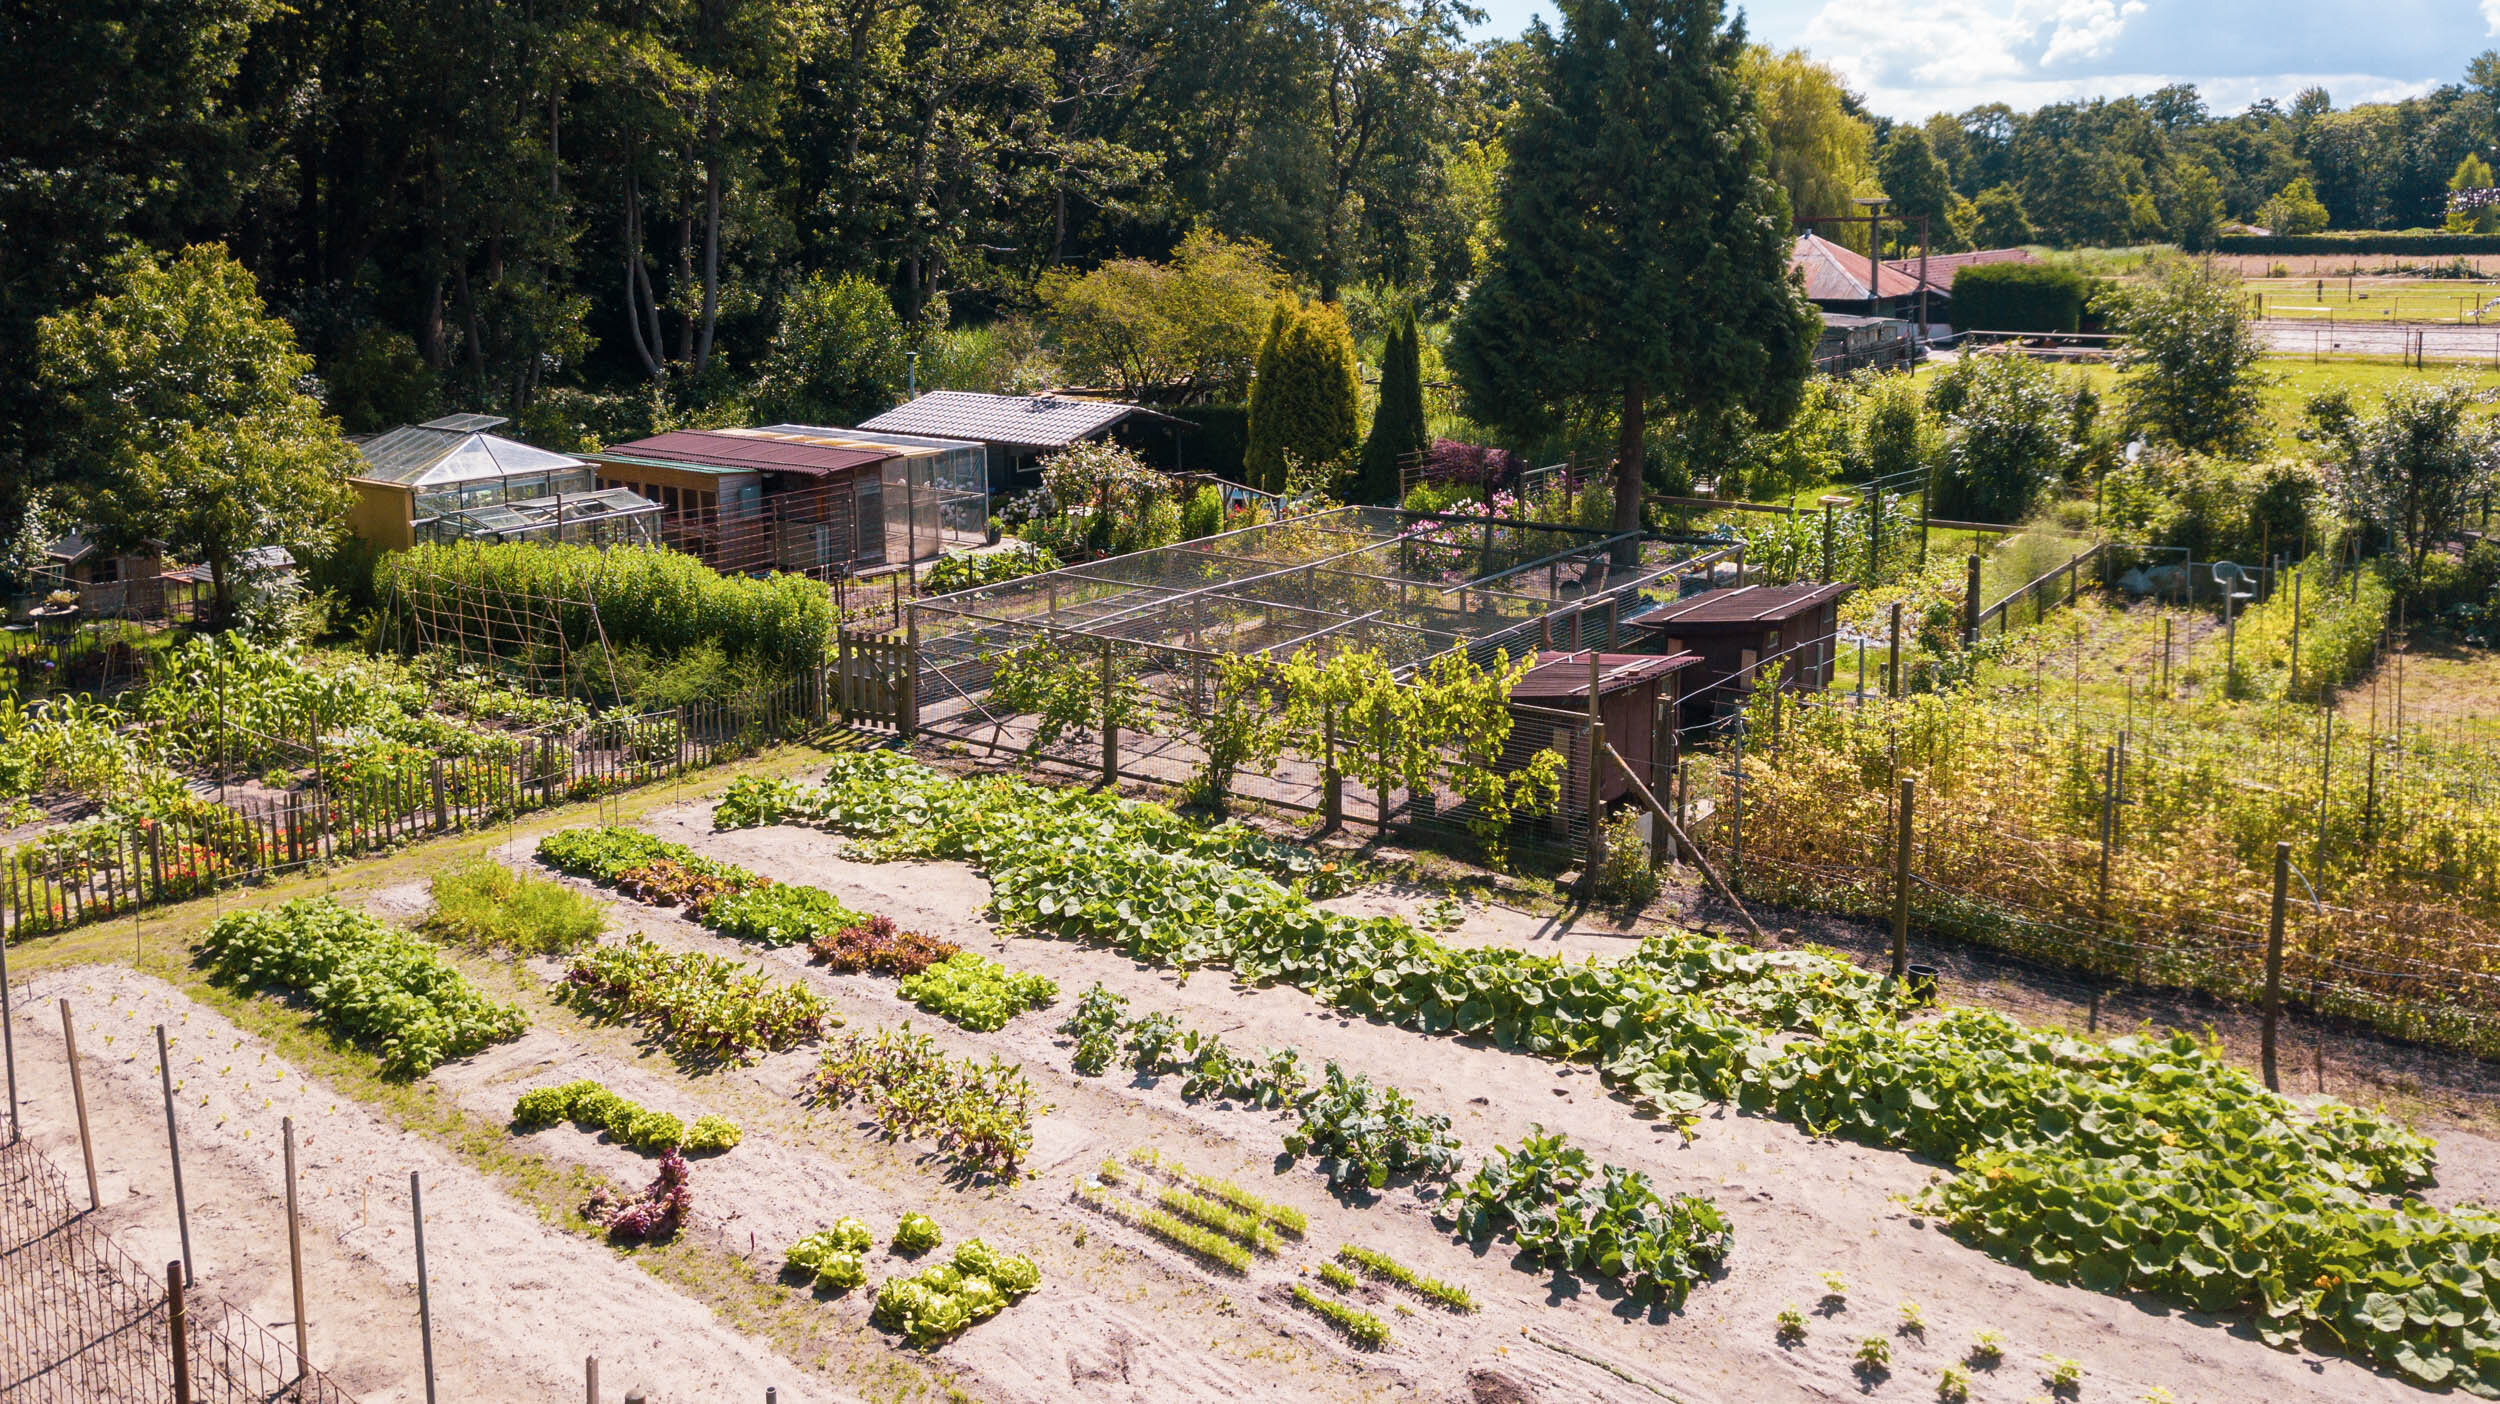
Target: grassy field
{"points": [[2441, 300], [2295, 378]]}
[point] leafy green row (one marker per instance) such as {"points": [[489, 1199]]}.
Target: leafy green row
{"points": [[1283, 1216], [585, 1103], [979, 993], [695, 1001], [1602, 1220], [1197, 1241], [980, 1114], [1387, 1269], [1359, 1326], [374, 984], [937, 1302]]}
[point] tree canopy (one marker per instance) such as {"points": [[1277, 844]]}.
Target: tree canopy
{"points": [[1643, 255], [183, 399]]}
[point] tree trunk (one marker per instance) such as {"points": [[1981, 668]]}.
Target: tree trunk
{"points": [[1629, 448], [685, 279], [711, 265]]}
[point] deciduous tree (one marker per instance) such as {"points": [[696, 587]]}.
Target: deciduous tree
{"points": [[190, 425]]}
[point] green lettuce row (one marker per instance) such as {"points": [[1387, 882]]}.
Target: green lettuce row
{"points": [[375, 985]]}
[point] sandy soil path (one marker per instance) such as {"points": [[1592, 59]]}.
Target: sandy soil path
{"points": [[517, 1304]]}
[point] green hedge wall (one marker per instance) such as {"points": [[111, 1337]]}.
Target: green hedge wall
{"points": [[2397, 241], [2017, 297], [648, 597], [1213, 444]]}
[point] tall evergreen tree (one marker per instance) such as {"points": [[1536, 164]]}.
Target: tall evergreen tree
{"points": [[1398, 421], [1643, 247], [1304, 404]]}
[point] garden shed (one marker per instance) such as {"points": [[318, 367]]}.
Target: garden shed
{"points": [[419, 477], [1738, 632], [1017, 429], [1636, 696]]}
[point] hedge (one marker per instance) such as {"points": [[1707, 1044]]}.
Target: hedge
{"points": [[2017, 297], [2359, 241], [648, 597], [1212, 443]]}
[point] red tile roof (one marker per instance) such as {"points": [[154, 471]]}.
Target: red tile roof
{"points": [[1941, 268], [1837, 274]]}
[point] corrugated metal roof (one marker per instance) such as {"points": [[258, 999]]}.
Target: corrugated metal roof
{"points": [[904, 445], [753, 450], [423, 455], [1561, 675], [1748, 604], [1019, 421]]}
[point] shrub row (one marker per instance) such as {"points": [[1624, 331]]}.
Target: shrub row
{"points": [[587, 1104]]}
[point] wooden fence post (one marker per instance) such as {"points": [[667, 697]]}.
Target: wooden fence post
{"points": [[173, 1146], [442, 810], [78, 1096], [178, 1332], [909, 711], [295, 1253], [1971, 605], [1332, 781], [2274, 962], [1901, 881], [1893, 683]]}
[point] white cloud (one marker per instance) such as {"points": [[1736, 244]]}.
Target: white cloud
{"points": [[2086, 28], [1914, 102], [2491, 15]]}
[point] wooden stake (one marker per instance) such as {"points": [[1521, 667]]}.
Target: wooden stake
{"points": [[295, 1252], [8, 1038], [2274, 962], [78, 1095], [178, 1332]]}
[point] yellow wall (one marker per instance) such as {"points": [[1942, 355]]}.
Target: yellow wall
{"points": [[384, 515]]}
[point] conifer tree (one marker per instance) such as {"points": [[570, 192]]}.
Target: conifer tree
{"points": [[1304, 402], [1643, 248], [1398, 421]]}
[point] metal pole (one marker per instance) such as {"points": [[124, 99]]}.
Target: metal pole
{"points": [[8, 1038], [178, 1330], [2274, 960], [78, 1095], [2294, 689], [295, 1252], [173, 1144], [1901, 882], [2109, 816], [2166, 623], [425, 1302], [1736, 816]]}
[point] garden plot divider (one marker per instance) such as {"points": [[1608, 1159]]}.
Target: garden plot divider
{"points": [[86, 875], [87, 1324]]}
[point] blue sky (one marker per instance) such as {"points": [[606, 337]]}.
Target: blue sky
{"points": [[1946, 55]]}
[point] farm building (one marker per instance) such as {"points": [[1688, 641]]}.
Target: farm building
{"points": [[449, 480], [1017, 429], [1737, 632], [1851, 343], [796, 498], [122, 584], [1636, 698]]}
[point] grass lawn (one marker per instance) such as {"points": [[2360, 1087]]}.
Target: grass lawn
{"points": [[2296, 378], [2452, 300]]}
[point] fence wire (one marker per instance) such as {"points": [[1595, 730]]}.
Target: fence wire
{"points": [[85, 1323]]}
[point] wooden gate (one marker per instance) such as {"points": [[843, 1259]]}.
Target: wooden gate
{"points": [[872, 682]]}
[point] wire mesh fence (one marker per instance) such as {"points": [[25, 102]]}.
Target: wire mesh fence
{"points": [[88, 1324]]}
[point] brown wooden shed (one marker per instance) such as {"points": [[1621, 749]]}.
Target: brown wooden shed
{"points": [[1635, 696], [1741, 630]]}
